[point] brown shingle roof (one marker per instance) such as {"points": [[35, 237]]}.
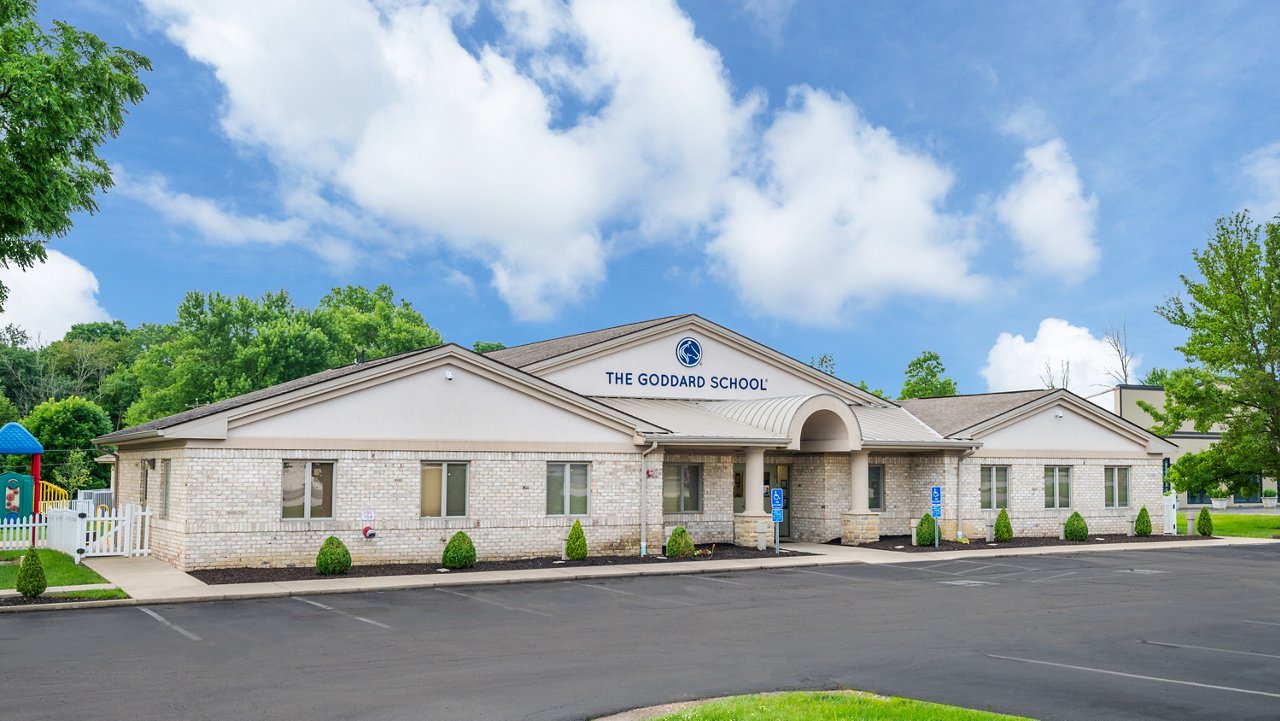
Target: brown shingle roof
{"points": [[950, 414], [530, 353]]}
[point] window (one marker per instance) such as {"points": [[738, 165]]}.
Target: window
{"points": [[307, 489], [1057, 486], [164, 488], [993, 486], [444, 489], [1117, 486], [875, 487], [566, 489], [148, 465], [681, 488]]}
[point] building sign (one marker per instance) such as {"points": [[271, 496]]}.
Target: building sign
{"points": [[689, 354]]}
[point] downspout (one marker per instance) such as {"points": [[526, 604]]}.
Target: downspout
{"points": [[644, 505]]}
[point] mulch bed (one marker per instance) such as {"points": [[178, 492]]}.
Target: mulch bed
{"points": [[40, 600], [218, 576], [903, 543]]}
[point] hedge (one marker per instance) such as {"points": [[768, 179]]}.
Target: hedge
{"points": [[459, 552]]}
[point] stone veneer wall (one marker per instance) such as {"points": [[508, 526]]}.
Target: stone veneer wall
{"points": [[225, 506]]}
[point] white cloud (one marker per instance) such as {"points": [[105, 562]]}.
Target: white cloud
{"points": [[49, 298], [768, 17], [1261, 171], [1049, 216], [1029, 123], [211, 220], [842, 212], [1015, 363]]}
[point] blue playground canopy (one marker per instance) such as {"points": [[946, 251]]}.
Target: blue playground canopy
{"points": [[18, 441]]}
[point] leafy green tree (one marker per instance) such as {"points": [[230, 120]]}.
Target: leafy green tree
{"points": [[8, 411], [63, 93], [68, 425], [370, 324], [825, 362], [877, 391], [926, 378], [487, 346], [77, 472], [1155, 377], [1231, 313]]}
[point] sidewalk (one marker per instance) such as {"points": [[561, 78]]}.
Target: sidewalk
{"points": [[149, 580]]}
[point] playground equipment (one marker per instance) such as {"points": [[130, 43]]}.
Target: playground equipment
{"points": [[22, 494]]}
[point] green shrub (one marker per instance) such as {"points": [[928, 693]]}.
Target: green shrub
{"points": [[1142, 525], [1204, 523], [459, 552], [680, 544], [1004, 529], [31, 581], [333, 558], [1076, 529], [1269, 493], [575, 549], [925, 531]]}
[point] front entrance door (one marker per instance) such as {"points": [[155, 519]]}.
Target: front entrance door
{"points": [[776, 475]]}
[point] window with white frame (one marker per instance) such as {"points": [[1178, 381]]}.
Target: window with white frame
{"points": [[681, 488], [567, 489], [993, 487], [164, 487], [444, 490], [875, 487], [307, 490], [1116, 486], [1057, 486]]}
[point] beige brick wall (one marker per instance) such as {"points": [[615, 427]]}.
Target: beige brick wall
{"points": [[714, 524]]}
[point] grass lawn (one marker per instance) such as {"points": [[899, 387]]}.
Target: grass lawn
{"points": [[93, 594], [828, 706], [1237, 524], [59, 569]]}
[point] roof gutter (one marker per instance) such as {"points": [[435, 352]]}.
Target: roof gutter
{"points": [[120, 437]]}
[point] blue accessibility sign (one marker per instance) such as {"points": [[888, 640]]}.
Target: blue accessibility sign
{"points": [[777, 515], [935, 497], [776, 498]]}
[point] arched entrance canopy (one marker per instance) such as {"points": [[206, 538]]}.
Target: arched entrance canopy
{"points": [[814, 423]]}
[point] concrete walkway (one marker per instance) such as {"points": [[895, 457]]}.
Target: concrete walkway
{"points": [[149, 580]]}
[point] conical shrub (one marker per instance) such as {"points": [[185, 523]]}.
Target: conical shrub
{"points": [[1004, 529], [680, 544], [31, 581], [1204, 523], [459, 552], [1142, 524], [1076, 529], [925, 530], [575, 549], [333, 558]]}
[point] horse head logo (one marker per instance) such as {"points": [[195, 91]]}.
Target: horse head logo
{"points": [[689, 352]]}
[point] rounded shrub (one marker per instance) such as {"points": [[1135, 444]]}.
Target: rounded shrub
{"points": [[575, 549], [680, 544], [1142, 524], [925, 530], [1204, 523], [1004, 529], [31, 581], [1076, 529], [459, 552], [333, 558]]}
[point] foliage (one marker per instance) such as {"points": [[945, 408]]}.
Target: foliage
{"points": [[1232, 317], [828, 706], [31, 581], [1219, 492], [59, 569], [1268, 493], [66, 426], [459, 552], [825, 362], [8, 411], [1240, 524], [487, 346], [925, 530], [77, 472], [925, 378], [1004, 529], [1209, 471], [575, 549], [1204, 523], [1075, 529], [680, 545], [62, 94], [1157, 376], [876, 391], [1142, 524], [333, 558]]}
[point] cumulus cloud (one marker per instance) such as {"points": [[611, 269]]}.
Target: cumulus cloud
{"points": [[49, 298], [1048, 215], [1015, 363], [1261, 172], [768, 17], [206, 216], [840, 212]]}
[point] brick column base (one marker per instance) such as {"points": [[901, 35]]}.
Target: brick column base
{"points": [[744, 529], [857, 528]]}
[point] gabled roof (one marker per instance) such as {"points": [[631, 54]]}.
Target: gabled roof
{"points": [[950, 414], [530, 353]]}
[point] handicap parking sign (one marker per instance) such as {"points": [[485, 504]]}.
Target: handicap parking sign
{"points": [[777, 515], [935, 497], [775, 498]]}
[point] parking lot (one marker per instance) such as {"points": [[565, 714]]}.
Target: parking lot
{"points": [[1126, 635]]}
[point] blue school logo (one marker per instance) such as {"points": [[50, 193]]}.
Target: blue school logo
{"points": [[689, 352]]}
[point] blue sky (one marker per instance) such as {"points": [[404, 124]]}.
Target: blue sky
{"points": [[998, 182]]}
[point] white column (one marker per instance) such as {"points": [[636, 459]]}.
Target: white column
{"points": [[860, 486], [753, 482]]}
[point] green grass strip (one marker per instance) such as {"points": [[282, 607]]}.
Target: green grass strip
{"points": [[93, 594], [59, 569], [1237, 524], [829, 706]]}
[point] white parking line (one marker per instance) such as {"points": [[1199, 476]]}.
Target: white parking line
{"points": [[1206, 648], [495, 603], [979, 568], [820, 573], [340, 612], [1050, 578], [629, 593], [1263, 623], [165, 621], [1137, 676], [717, 580]]}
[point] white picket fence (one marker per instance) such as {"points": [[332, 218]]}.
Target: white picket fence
{"points": [[82, 531], [15, 533]]}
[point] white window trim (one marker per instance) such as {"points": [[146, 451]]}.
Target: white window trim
{"points": [[1111, 486], [444, 488], [565, 492], [994, 484], [1057, 479], [702, 482], [306, 491]]}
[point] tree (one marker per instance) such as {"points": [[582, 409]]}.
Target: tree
{"points": [[1117, 339], [370, 324], [1061, 378], [487, 346], [8, 411], [62, 94], [825, 362], [1232, 317], [1155, 377], [65, 426], [925, 378]]}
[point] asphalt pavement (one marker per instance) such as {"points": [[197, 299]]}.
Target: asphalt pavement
{"points": [[1151, 634]]}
